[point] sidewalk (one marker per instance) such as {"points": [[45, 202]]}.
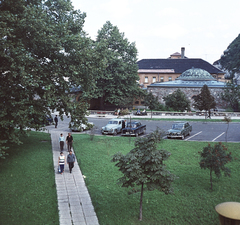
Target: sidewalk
{"points": [[74, 202], [110, 116]]}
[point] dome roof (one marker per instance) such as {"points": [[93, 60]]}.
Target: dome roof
{"points": [[196, 74]]}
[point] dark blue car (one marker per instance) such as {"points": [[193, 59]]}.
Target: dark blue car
{"points": [[134, 128]]}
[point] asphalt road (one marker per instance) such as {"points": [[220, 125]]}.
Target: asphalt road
{"points": [[202, 131]]}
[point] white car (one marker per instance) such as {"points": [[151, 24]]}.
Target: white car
{"points": [[114, 127], [82, 127]]}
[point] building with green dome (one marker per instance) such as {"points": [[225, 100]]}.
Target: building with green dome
{"points": [[190, 82]]}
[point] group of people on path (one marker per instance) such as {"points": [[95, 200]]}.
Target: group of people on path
{"points": [[70, 158]]}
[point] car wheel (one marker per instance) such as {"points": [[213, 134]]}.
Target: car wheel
{"points": [[183, 137], [115, 132]]}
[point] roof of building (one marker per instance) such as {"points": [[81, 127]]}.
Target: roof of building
{"points": [[176, 65], [196, 74], [188, 84]]}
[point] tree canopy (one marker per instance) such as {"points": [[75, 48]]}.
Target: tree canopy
{"points": [[231, 94], [44, 52], [177, 101], [118, 81], [214, 158], [230, 60], [144, 166], [204, 101]]}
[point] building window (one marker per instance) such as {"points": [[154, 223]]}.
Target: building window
{"points": [[146, 80], [169, 78], [142, 102], [154, 80], [136, 102], [161, 79]]}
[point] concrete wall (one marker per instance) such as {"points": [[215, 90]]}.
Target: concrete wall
{"points": [[189, 92]]}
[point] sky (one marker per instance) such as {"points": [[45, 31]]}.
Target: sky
{"points": [[160, 28]]}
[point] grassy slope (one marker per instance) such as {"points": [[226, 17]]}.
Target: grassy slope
{"points": [[28, 192], [193, 202]]}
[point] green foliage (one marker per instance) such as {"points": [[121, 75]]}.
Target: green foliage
{"points": [[214, 158], [44, 52], [230, 60], [231, 94], [28, 191], [204, 101], [192, 203], [152, 101], [177, 101], [116, 84], [143, 166]]}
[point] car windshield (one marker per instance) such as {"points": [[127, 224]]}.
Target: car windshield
{"points": [[177, 126], [112, 122], [133, 125]]}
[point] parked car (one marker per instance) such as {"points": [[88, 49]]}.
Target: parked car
{"points": [[82, 126], [179, 130], [134, 128], [114, 127]]}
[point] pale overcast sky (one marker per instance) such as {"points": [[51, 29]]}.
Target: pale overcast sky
{"points": [[161, 27]]}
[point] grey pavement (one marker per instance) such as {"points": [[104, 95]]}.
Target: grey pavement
{"points": [[148, 116], [74, 202]]}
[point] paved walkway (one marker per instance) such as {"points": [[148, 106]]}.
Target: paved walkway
{"points": [[74, 202]]}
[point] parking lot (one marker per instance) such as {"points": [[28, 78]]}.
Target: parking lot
{"points": [[202, 131]]}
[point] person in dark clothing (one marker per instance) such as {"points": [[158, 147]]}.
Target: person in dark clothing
{"points": [[69, 141], [70, 160], [56, 121], [123, 124]]}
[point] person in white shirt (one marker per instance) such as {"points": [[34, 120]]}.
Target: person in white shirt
{"points": [[61, 162], [61, 141]]}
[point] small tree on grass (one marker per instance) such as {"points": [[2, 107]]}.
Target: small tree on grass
{"points": [[143, 166], [227, 119], [214, 159]]}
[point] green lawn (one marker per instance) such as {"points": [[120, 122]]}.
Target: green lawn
{"points": [[193, 202], [27, 187]]}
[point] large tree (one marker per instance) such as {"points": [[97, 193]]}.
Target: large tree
{"points": [[205, 101], [231, 94], [118, 81], [230, 60], [43, 53], [144, 166], [152, 102], [177, 101]]}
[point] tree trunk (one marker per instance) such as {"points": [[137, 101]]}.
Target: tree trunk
{"points": [[226, 132], [211, 178], [140, 211], [102, 99], [151, 114]]}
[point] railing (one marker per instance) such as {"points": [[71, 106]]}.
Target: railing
{"points": [[162, 113]]}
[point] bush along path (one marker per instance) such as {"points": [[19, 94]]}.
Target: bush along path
{"points": [[74, 202]]}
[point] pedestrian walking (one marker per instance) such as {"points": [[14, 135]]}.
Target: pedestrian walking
{"points": [[56, 121], [61, 162], [70, 160], [69, 141], [61, 142]]}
